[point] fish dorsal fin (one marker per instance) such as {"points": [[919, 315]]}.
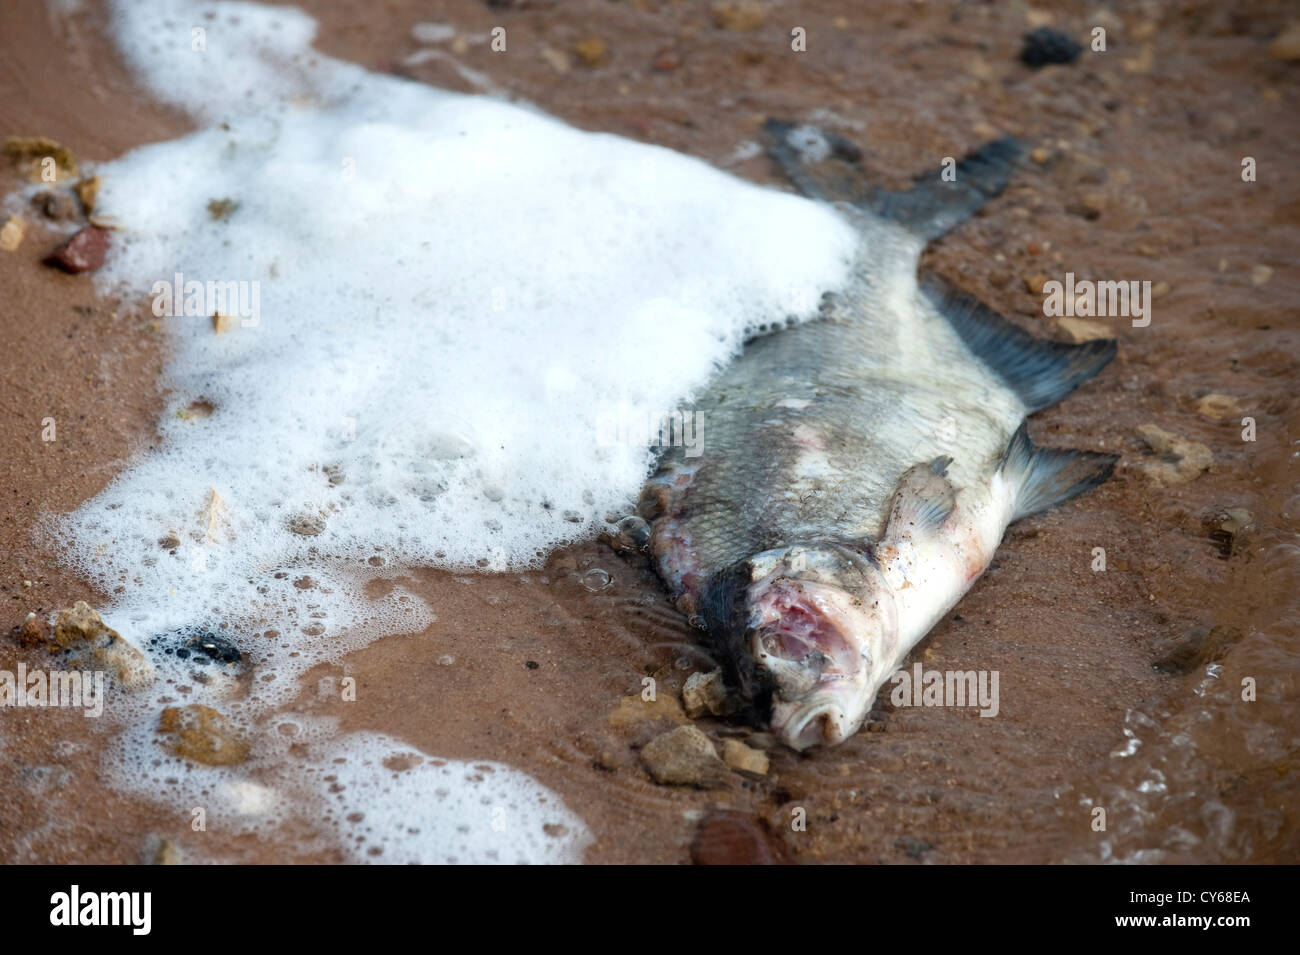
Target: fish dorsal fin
{"points": [[1041, 372], [1044, 477], [825, 166], [923, 501]]}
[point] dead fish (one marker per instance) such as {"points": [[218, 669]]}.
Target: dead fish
{"points": [[862, 467]]}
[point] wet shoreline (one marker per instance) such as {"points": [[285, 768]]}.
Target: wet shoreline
{"points": [[1211, 778]]}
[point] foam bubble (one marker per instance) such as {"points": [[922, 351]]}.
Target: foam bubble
{"points": [[371, 795], [450, 294], [436, 300]]}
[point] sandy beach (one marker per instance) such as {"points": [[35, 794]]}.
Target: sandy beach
{"points": [[1135, 174]]}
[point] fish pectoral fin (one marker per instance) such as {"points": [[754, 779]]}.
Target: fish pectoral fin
{"points": [[1044, 477], [924, 500]]}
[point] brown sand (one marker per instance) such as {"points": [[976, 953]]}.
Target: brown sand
{"points": [[1158, 142]]}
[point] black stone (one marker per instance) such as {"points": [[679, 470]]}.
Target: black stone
{"points": [[202, 645], [1046, 45]]}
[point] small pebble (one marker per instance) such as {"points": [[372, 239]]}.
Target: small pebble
{"points": [[1045, 45], [1287, 45], [84, 252], [1177, 460], [1218, 406], [743, 759], [56, 205], [591, 51], [1082, 330], [739, 15], [683, 757], [704, 693], [11, 233], [222, 323]]}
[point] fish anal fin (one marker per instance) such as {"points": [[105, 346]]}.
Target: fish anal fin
{"points": [[1041, 478]]}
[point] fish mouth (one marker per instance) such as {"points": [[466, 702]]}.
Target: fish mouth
{"points": [[811, 723], [811, 639]]}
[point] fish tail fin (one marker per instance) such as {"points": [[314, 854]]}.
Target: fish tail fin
{"points": [[825, 166], [805, 155], [935, 205], [1041, 372], [1041, 478]]}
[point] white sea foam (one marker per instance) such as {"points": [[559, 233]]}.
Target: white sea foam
{"points": [[369, 794], [453, 292]]}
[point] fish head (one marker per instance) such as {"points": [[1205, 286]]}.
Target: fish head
{"points": [[820, 625]]}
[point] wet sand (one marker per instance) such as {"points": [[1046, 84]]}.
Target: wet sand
{"points": [[1141, 181]]}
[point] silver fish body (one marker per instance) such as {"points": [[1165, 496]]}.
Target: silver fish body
{"points": [[860, 469]]}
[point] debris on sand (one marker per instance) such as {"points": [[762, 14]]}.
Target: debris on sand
{"points": [[1179, 461], [11, 233], [1141, 63], [744, 759], [1082, 330], [306, 525], [1217, 406], [705, 693], [1228, 529], [196, 410], [738, 14], [1287, 44], [727, 837], [202, 735], [166, 852], [591, 51], [93, 645], [56, 205], [214, 516], [634, 709], [30, 152], [557, 60], [1045, 45], [32, 632], [87, 192], [219, 210], [199, 644], [666, 60], [84, 252], [684, 757]]}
